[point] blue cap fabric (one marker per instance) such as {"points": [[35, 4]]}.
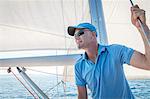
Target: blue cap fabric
{"points": [[71, 29]]}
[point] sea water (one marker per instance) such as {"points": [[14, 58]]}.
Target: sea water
{"points": [[11, 88]]}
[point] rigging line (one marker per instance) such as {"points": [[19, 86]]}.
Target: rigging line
{"points": [[57, 75], [32, 30], [63, 17], [42, 13], [116, 4], [69, 48], [9, 70], [65, 27], [65, 38], [10, 12], [18, 15], [44, 72], [30, 13], [75, 11], [40, 49], [64, 87], [119, 23], [122, 23], [82, 11], [13, 11], [54, 86], [76, 23]]}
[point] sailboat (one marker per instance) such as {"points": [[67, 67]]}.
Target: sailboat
{"points": [[34, 32]]}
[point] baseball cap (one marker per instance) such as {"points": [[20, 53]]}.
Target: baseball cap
{"points": [[71, 29]]}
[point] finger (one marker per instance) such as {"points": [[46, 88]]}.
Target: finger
{"points": [[139, 13], [135, 9], [135, 6]]}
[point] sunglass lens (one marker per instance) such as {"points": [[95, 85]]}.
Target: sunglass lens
{"points": [[81, 32]]}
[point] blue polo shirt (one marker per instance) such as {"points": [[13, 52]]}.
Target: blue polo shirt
{"points": [[105, 78]]}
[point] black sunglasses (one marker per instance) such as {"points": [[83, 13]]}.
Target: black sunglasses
{"points": [[81, 32]]}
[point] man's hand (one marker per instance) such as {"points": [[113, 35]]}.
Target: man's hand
{"points": [[137, 13]]}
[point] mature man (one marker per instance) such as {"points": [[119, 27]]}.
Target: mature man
{"points": [[101, 67]]}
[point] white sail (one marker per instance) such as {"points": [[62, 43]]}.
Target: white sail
{"points": [[39, 24], [34, 32], [121, 31]]}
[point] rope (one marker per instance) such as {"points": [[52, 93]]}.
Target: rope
{"points": [[58, 83], [75, 11], [116, 4], [47, 72], [63, 17], [9, 70], [55, 86], [40, 49], [33, 30], [43, 72], [57, 71]]}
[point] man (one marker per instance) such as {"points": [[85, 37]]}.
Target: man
{"points": [[101, 67]]}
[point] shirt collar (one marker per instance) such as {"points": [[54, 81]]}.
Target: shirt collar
{"points": [[101, 48]]}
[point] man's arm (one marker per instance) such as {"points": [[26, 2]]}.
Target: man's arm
{"points": [[138, 59], [82, 92]]}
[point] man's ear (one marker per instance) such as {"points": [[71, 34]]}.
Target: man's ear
{"points": [[94, 34]]}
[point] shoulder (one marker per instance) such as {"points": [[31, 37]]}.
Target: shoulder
{"points": [[113, 47], [79, 62], [119, 48], [116, 49]]}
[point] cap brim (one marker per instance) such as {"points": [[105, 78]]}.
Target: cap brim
{"points": [[71, 30]]}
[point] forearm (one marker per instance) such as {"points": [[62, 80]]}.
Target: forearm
{"points": [[82, 92], [146, 35], [146, 40]]}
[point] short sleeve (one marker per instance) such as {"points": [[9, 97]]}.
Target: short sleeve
{"points": [[78, 76], [125, 54]]}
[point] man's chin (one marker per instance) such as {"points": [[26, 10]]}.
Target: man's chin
{"points": [[79, 47]]}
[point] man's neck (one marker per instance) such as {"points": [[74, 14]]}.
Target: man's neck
{"points": [[92, 52]]}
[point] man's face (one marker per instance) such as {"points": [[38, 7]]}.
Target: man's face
{"points": [[83, 38]]}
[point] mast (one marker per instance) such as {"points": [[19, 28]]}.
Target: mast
{"points": [[97, 19]]}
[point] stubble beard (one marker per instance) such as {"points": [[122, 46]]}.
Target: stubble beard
{"points": [[79, 46]]}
